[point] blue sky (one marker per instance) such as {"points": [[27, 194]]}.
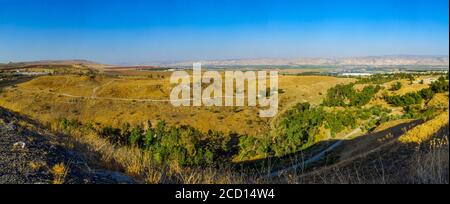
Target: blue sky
{"points": [[136, 32]]}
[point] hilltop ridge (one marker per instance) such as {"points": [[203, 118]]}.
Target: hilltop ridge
{"points": [[386, 60]]}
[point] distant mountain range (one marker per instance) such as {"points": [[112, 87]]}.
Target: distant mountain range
{"points": [[391, 60], [374, 61], [75, 62], [55, 62]]}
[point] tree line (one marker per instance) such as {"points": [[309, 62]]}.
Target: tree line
{"points": [[346, 95], [414, 98], [300, 126], [183, 144]]}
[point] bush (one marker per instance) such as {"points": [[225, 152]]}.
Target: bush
{"points": [[426, 94], [251, 147], [299, 127], [415, 111], [414, 98], [405, 100], [67, 124], [182, 144], [346, 95], [440, 86], [136, 137], [395, 87], [112, 134]]}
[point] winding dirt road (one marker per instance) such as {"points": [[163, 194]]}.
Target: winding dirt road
{"points": [[316, 157]]}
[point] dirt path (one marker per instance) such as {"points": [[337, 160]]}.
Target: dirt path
{"points": [[94, 91], [316, 157], [93, 96]]}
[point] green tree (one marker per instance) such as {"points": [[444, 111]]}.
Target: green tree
{"points": [[136, 136], [396, 86]]}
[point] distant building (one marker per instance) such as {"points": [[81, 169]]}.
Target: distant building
{"points": [[356, 74], [31, 73], [429, 81]]}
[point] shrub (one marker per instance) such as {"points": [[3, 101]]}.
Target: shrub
{"points": [[405, 100], [346, 95], [395, 87], [413, 98], [136, 136], [440, 86]]}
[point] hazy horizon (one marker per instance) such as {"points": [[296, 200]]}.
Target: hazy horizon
{"points": [[137, 32]]}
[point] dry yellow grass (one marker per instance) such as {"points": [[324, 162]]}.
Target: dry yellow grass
{"points": [[407, 86], [431, 167], [37, 165], [390, 161], [390, 124], [43, 99], [425, 131], [59, 172], [139, 164], [439, 100], [40, 99], [431, 163]]}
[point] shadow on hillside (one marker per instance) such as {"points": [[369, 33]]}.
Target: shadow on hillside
{"points": [[12, 82], [346, 150], [60, 152], [395, 163]]}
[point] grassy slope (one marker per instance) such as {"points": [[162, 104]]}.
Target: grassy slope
{"points": [[418, 156], [41, 98], [379, 166]]}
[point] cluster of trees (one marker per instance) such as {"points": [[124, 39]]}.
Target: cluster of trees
{"points": [[405, 100], [384, 78], [397, 86], [441, 85], [297, 129], [416, 111], [300, 126], [251, 146], [183, 144], [414, 98], [346, 95]]}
